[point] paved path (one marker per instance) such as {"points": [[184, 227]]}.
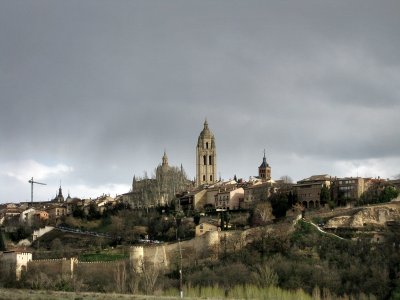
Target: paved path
{"points": [[324, 232]]}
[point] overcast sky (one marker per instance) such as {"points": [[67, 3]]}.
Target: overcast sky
{"points": [[93, 91]]}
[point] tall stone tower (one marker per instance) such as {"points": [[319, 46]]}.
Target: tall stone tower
{"points": [[264, 170], [206, 157], [164, 165]]}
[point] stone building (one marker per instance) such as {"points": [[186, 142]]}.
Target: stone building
{"points": [[160, 189], [349, 188], [14, 263], [229, 198], [57, 212], [205, 227], [309, 190], [255, 192], [193, 200], [206, 157]]}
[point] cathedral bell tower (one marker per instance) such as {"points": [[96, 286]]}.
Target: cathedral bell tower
{"points": [[206, 157], [264, 170]]}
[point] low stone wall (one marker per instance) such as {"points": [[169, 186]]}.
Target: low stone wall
{"points": [[101, 276], [53, 267]]}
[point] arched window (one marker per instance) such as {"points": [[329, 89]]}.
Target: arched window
{"points": [[207, 145], [209, 160], [210, 177], [204, 177], [205, 160]]}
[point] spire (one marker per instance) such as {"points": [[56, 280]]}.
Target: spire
{"points": [[205, 124], [264, 170], [60, 190], [165, 159], [264, 163]]}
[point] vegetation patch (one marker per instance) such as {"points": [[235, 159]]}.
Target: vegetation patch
{"points": [[90, 257]]}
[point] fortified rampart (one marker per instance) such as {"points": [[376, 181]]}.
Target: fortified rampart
{"points": [[54, 267], [164, 256]]}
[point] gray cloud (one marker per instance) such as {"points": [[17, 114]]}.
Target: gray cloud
{"points": [[103, 87]]}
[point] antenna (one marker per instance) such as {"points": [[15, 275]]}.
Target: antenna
{"points": [[32, 182]]}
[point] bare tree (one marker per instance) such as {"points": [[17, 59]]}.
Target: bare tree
{"points": [[120, 277], [286, 179], [133, 278], [149, 277], [266, 276], [263, 212]]}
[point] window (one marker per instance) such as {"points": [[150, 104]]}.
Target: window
{"points": [[207, 145], [209, 160], [204, 160], [204, 177], [210, 177]]}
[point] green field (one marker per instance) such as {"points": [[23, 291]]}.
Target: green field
{"points": [[90, 257]]}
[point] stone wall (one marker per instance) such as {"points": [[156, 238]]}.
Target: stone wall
{"points": [[53, 267], [101, 276], [165, 256]]}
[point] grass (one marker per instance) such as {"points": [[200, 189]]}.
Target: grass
{"points": [[89, 257], [18, 294], [239, 292], [215, 292]]}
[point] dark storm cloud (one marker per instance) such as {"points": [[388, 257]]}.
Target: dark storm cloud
{"points": [[100, 88]]}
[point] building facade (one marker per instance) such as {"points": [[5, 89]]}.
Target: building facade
{"points": [[349, 188], [229, 198], [206, 157], [256, 192], [309, 190]]}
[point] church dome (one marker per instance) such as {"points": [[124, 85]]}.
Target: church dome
{"points": [[206, 132]]}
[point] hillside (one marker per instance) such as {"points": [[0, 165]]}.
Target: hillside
{"points": [[59, 243], [376, 215]]}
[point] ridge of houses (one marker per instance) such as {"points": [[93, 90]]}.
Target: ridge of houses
{"points": [[206, 192], [39, 214]]}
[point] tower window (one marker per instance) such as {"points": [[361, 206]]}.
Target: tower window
{"points": [[205, 160], [207, 145], [209, 160], [204, 177], [210, 177]]}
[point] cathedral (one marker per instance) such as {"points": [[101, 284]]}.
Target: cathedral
{"points": [[169, 182], [160, 189]]}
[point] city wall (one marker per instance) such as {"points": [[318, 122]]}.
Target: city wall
{"points": [[53, 267], [165, 256]]}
